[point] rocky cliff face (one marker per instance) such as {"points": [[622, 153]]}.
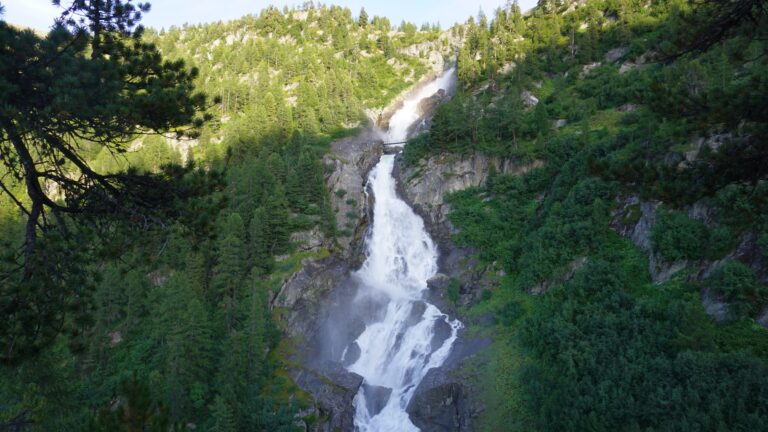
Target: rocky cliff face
{"points": [[333, 389], [426, 185], [316, 304], [634, 219], [447, 400], [350, 161]]}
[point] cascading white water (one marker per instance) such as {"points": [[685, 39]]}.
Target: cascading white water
{"points": [[398, 350]]}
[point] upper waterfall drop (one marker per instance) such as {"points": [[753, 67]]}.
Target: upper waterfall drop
{"points": [[409, 113], [408, 336]]}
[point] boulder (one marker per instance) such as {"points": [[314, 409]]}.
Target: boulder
{"points": [[302, 294], [351, 355], [429, 104], [439, 282], [440, 333], [376, 398], [628, 107], [334, 389], [529, 98], [716, 309], [438, 404], [417, 312], [616, 54]]}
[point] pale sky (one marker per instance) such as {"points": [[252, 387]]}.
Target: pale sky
{"points": [[39, 14]]}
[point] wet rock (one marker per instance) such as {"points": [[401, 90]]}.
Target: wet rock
{"points": [[429, 104], [437, 287], [438, 404], [376, 398], [352, 355], [427, 107], [440, 333], [349, 162], [417, 312], [302, 294], [333, 389], [439, 282]]}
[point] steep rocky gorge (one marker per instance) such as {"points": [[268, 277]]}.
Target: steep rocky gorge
{"points": [[318, 305]]}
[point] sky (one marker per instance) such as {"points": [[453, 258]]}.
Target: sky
{"points": [[39, 14]]}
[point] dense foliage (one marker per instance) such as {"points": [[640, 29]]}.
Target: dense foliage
{"points": [[167, 311], [622, 110], [170, 318]]}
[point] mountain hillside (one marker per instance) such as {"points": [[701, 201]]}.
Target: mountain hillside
{"points": [[628, 248], [169, 314]]}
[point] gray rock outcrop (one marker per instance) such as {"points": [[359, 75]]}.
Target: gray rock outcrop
{"points": [[302, 295], [634, 219], [426, 185], [351, 160], [439, 405], [376, 398], [333, 388]]}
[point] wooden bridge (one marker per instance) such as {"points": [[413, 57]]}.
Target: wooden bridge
{"points": [[393, 147]]}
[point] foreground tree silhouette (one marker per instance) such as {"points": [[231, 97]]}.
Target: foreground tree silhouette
{"points": [[91, 82]]}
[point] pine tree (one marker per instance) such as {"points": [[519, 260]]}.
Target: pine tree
{"points": [[277, 221], [362, 21], [183, 327], [230, 269], [136, 412], [260, 242], [223, 417]]}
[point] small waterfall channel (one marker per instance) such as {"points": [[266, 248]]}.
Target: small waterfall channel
{"points": [[409, 336]]}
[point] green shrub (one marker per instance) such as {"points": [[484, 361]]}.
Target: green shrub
{"points": [[737, 284], [677, 237], [509, 313], [454, 289]]}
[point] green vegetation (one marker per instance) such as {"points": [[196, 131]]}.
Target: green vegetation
{"points": [[145, 229], [678, 237], [150, 308], [736, 284], [616, 100]]}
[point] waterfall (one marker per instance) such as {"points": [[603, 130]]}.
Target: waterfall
{"points": [[409, 336]]}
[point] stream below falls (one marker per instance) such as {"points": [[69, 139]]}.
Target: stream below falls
{"points": [[408, 336]]}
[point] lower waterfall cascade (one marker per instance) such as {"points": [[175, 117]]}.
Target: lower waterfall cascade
{"points": [[410, 336]]}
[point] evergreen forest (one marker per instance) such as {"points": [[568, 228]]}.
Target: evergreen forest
{"points": [[157, 188]]}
